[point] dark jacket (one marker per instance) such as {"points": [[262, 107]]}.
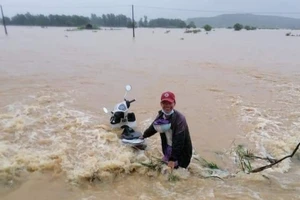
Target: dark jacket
{"points": [[181, 141]]}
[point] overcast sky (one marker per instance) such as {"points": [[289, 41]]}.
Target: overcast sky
{"points": [[153, 8]]}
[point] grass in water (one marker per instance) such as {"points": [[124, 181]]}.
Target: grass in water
{"points": [[207, 164], [245, 156], [172, 177], [158, 166]]}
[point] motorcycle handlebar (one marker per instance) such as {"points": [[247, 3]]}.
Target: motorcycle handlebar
{"points": [[129, 102], [133, 100]]}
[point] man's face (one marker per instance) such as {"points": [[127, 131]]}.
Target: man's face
{"points": [[167, 106]]}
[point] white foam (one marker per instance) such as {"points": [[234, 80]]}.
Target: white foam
{"points": [[273, 132]]}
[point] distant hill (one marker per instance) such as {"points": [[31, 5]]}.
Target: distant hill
{"points": [[259, 21]]}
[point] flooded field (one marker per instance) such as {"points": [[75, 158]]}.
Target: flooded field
{"points": [[235, 88]]}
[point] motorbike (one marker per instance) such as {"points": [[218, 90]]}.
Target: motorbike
{"points": [[122, 118]]}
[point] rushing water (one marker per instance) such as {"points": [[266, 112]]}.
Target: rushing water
{"points": [[233, 87]]}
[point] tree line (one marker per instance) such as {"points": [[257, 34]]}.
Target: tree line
{"points": [[238, 27], [105, 20]]}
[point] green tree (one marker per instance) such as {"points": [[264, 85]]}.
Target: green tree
{"points": [[18, 19], [250, 28], [145, 21], [238, 27], [167, 23], [6, 19], [129, 24], [191, 25], [207, 27], [141, 23], [247, 28]]}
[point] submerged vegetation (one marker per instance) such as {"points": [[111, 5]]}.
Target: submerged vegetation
{"points": [[246, 161], [238, 27], [86, 27], [207, 164], [157, 165], [246, 157], [199, 167], [290, 34], [192, 31], [250, 28]]}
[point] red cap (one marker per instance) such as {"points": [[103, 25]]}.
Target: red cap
{"points": [[168, 96]]}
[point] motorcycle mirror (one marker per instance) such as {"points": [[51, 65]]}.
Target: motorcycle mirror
{"points": [[128, 87], [105, 110]]}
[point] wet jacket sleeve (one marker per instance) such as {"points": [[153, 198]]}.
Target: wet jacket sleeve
{"points": [[149, 131], [178, 139]]}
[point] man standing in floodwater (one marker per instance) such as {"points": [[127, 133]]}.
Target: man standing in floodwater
{"points": [[174, 132]]}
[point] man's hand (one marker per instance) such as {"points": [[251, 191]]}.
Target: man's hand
{"points": [[171, 164]]}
